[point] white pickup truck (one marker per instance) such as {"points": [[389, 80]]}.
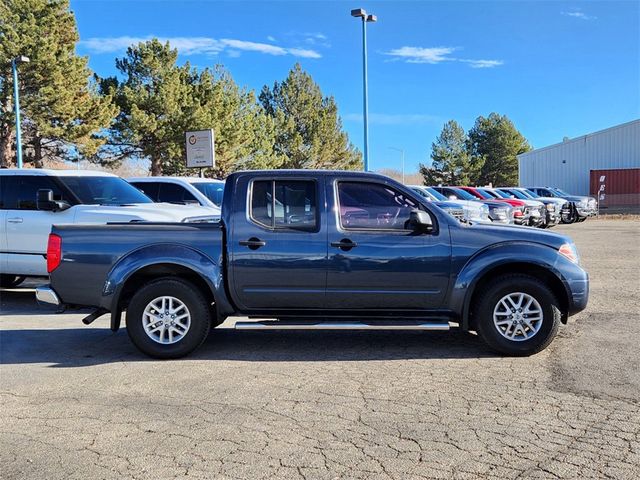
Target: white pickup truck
{"points": [[32, 200]]}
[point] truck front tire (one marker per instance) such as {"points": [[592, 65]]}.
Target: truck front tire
{"points": [[168, 318], [517, 315]]}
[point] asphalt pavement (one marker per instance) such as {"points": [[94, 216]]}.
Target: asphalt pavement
{"points": [[80, 402]]}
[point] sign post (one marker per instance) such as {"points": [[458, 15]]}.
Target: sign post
{"points": [[601, 192], [200, 151]]}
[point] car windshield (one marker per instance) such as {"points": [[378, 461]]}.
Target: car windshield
{"points": [[104, 190], [462, 195], [214, 191], [435, 194], [560, 192]]}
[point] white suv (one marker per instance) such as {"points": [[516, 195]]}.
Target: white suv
{"points": [[205, 191], [32, 200]]}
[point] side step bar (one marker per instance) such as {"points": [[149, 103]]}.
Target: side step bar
{"points": [[342, 325]]}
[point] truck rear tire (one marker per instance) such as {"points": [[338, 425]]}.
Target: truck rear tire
{"points": [[517, 315], [168, 318]]}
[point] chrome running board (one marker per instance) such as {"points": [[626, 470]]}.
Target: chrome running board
{"points": [[342, 325]]}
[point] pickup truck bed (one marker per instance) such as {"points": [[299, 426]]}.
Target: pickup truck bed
{"points": [[320, 248]]}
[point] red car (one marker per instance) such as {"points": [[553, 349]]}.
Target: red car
{"points": [[518, 205]]}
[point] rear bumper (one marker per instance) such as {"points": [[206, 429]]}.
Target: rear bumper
{"points": [[46, 294]]}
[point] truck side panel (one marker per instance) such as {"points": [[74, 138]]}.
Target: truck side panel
{"points": [[90, 253]]}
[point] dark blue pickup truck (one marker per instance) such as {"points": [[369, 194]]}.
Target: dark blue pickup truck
{"points": [[319, 249]]}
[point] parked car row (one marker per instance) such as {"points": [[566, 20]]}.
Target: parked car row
{"points": [[535, 207]]}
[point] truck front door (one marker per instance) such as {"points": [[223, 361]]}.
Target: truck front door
{"points": [[376, 261], [278, 244]]}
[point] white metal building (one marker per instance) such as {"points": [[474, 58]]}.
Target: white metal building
{"points": [[567, 165]]}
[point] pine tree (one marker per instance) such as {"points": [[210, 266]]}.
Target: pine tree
{"points": [[495, 142], [451, 163], [309, 129], [160, 100], [62, 112]]}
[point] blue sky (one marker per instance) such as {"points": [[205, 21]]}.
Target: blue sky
{"points": [[555, 68]]}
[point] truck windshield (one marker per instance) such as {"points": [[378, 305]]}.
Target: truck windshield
{"points": [[104, 190], [529, 193], [462, 195], [484, 194], [435, 194], [214, 191], [561, 192], [515, 193]]}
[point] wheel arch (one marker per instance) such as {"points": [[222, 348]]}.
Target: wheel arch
{"points": [[157, 261], [536, 260], [523, 268]]}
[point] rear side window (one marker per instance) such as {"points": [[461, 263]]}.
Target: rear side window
{"points": [[174, 193], [20, 192], [373, 206], [284, 204], [150, 189]]}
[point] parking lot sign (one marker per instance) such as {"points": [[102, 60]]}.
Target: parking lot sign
{"points": [[200, 151]]}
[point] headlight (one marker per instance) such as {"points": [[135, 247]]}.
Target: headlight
{"points": [[568, 250], [550, 207], [499, 212], [203, 219], [584, 203]]}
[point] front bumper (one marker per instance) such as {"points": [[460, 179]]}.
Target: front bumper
{"points": [[578, 285], [586, 212], [46, 294]]}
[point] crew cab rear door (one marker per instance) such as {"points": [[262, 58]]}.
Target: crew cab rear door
{"points": [[277, 243], [375, 262]]}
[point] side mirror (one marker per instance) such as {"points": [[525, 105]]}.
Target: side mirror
{"points": [[420, 220], [45, 201]]}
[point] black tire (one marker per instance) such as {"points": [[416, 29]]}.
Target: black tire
{"points": [[488, 299], [190, 296], [10, 281], [570, 217]]}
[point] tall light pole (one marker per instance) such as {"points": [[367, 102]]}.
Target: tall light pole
{"points": [[16, 106], [366, 18], [401, 150]]}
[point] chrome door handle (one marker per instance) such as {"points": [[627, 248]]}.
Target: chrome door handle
{"points": [[15, 220], [345, 244], [253, 243]]}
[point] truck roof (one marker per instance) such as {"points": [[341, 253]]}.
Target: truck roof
{"points": [[54, 173]]}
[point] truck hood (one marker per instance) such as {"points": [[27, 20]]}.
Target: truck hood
{"points": [[508, 233], [144, 212], [559, 201]]}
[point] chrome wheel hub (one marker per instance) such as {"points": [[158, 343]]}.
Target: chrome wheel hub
{"points": [[517, 316], [166, 320]]}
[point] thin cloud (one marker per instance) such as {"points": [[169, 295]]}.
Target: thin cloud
{"points": [[435, 55], [198, 46], [483, 63], [579, 14], [394, 118], [422, 55]]}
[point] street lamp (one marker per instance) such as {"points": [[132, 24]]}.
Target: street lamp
{"points": [[366, 18], [16, 106], [401, 150]]}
